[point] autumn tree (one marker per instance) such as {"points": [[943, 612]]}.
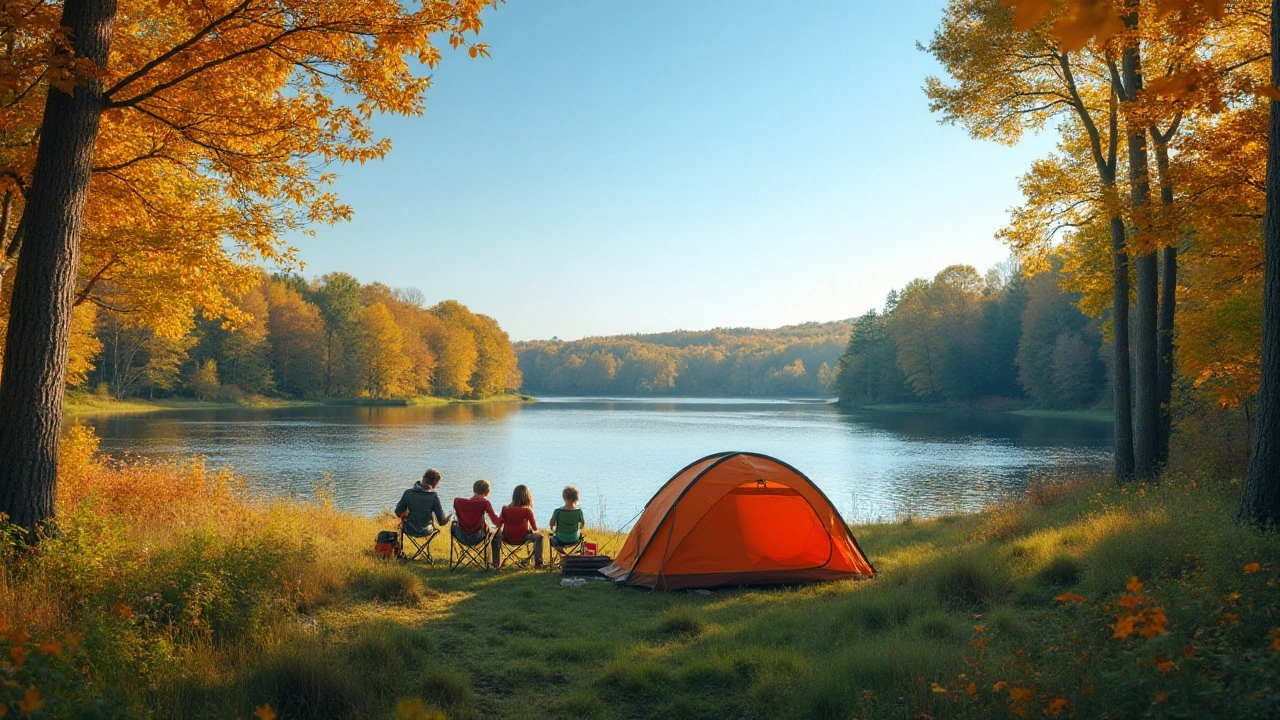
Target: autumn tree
{"points": [[240, 346], [296, 334], [935, 328], [338, 297], [135, 358], [1010, 76], [448, 335], [867, 373], [83, 344], [233, 102], [1260, 503], [379, 352], [1057, 354], [497, 369]]}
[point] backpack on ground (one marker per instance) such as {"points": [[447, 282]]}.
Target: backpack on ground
{"points": [[387, 544]]}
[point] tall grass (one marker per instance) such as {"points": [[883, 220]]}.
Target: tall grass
{"points": [[180, 588], [169, 592]]}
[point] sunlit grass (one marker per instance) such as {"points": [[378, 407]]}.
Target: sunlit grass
{"points": [[186, 598]]}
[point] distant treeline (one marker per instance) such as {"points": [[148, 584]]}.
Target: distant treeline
{"points": [[332, 337], [963, 338], [793, 361]]}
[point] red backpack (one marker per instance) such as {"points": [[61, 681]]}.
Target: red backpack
{"points": [[387, 545]]}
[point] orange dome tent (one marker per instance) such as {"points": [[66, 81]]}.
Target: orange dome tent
{"points": [[738, 518]]}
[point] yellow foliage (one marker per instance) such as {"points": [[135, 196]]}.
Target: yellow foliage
{"points": [[222, 118]]}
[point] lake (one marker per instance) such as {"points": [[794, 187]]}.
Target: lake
{"points": [[873, 465]]}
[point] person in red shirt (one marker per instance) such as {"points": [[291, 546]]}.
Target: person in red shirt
{"points": [[470, 527], [516, 524]]}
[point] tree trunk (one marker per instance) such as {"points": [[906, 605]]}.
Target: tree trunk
{"points": [[1121, 381], [1260, 504], [35, 364], [1146, 396], [1168, 304]]}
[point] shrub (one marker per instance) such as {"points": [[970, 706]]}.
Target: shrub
{"points": [[444, 686], [967, 581], [1004, 521], [387, 582], [939, 626], [303, 682], [879, 611], [1062, 571], [581, 703], [682, 622], [874, 677], [387, 646], [636, 669]]}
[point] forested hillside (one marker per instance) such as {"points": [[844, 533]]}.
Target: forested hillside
{"points": [[288, 337], [792, 361], [963, 338]]}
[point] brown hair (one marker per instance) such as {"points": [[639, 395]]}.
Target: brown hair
{"points": [[570, 494], [521, 497], [431, 477], [481, 487]]}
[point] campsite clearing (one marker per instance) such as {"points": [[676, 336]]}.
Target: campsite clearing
{"points": [[986, 587], [1135, 601]]}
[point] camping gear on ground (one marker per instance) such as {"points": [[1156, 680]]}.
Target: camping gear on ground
{"points": [[738, 518], [463, 552], [387, 544], [421, 543], [585, 566], [589, 548]]}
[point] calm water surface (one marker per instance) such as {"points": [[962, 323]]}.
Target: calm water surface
{"points": [[873, 465]]}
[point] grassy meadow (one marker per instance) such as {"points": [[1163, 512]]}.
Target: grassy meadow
{"points": [[169, 593]]}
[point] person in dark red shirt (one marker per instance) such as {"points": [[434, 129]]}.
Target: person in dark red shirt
{"points": [[516, 524], [470, 527]]}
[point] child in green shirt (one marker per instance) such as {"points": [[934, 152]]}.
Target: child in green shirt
{"points": [[567, 522]]}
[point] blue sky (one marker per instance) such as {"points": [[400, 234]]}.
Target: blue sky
{"points": [[623, 166]]}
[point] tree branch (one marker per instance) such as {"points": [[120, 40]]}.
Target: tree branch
{"points": [[93, 281], [174, 51]]}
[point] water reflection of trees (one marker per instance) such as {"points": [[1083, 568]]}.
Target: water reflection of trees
{"points": [[960, 426], [204, 427]]}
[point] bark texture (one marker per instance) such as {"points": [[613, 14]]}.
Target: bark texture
{"points": [[35, 361], [1146, 396], [1260, 504], [1168, 306], [1121, 381]]}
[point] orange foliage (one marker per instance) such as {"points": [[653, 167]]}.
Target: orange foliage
{"points": [[1140, 615], [1205, 104], [222, 121]]}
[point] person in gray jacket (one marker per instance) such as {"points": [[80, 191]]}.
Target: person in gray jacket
{"points": [[419, 509]]}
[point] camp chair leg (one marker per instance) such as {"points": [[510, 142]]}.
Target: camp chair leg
{"points": [[461, 554], [557, 555], [421, 545], [519, 555]]}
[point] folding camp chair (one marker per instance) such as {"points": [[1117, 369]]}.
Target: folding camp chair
{"points": [[518, 555], [421, 545], [461, 553], [555, 558]]}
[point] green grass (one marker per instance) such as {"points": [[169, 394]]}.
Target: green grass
{"points": [[962, 614]]}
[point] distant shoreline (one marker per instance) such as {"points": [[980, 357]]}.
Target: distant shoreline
{"points": [[81, 406], [89, 405]]}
